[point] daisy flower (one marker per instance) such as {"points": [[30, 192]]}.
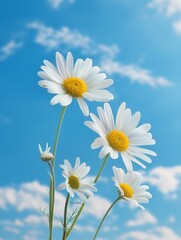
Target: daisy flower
{"points": [[46, 155], [121, 135], [80, 80], [130, 188], [76, 180]]}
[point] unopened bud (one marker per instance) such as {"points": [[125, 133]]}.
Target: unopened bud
{"points": [[45, 155]]}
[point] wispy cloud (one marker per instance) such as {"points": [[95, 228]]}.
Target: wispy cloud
{"points": [[97, 210], [11, 229], [177, 26], [83, 228], [58, 3], [169, 8], [110, 228], [9, 49], [51, 38], [134, 73], [28, 196], [142, 218], [166, 179], [171, 219], [157, 233]]}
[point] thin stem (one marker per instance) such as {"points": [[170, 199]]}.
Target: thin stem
{"points": [[65, 217], [57, 134], [52, 200], [102, 168], [105, 217], [52, 179], [83, 204]]}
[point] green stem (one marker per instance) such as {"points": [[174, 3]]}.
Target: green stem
{"points": [[83, 204], [52, 200], [102, 168], [52, 179], [65, 217], [57, 134], [105, 216]]}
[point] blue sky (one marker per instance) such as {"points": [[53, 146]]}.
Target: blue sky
{"points": [[138, 45]]}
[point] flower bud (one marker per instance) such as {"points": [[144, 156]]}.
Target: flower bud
{"points": [[46, 155]]}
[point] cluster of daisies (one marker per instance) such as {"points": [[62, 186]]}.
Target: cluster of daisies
{"points": [[117, 136]]}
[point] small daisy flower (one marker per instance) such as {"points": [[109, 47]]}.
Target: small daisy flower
{"points": [[130, 188], [80, 80], [45, 155], [76, 180], [121, 136]]}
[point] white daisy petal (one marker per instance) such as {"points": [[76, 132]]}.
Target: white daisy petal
{"points": [[83, 106], [119, 116], [122, 137], [76, 180], [98, 95], [109, 114], [51, 74], [60, 61], [82, 197], [61, 186], [129, 186], [55, 99], [114, 154], [133, 122], [119, 174], [127, 162], [104, 151], [81, 80], [98, 142], [65, 100], [69, 64]]}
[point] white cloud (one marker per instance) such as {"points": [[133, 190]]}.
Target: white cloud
{"points": [[101, 179], [109, 228], [142, 218], [33, 235], [11, 229], [58, 3], [9, 49], [84, 228], [97, 206], [52, 38], [169, 8], [28, 196], [157, 233], [166, 179], [134, 73], [177, 26], [171, 219]]}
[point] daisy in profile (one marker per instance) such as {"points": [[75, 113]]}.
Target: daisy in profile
{"points": [[130, 188], [80, 80], [76, 181], [122, 135], [45, 155]]}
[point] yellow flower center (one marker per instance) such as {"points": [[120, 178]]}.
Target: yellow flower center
{"points": [[127, 189], [74, 182], [74, 86], [118, 140]]}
